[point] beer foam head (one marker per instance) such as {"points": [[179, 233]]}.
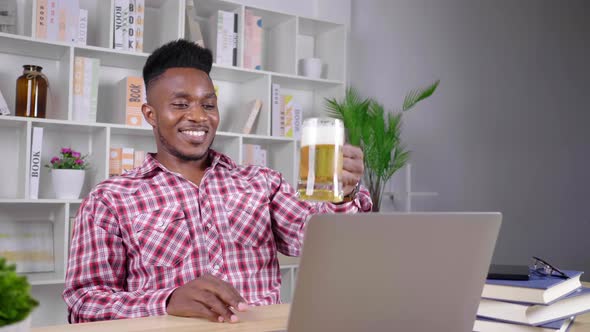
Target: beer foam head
{"points": [[313, 133]]}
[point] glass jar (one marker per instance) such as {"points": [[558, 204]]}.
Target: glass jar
{"points": [[31, 92]]}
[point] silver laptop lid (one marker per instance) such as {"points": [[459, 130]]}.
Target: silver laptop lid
{"points": [[385, 272]]}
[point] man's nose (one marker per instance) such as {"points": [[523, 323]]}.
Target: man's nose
{"points": [[196, 113]]}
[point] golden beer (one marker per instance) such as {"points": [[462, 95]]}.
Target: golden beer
{"points": [[320, 165]]}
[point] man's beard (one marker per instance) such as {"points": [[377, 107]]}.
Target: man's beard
{"points": [[170, 148]]}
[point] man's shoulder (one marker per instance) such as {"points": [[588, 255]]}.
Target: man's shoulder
{"points": [[119, 185]]}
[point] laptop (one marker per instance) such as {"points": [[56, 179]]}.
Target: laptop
{"points": [[393, 272]]}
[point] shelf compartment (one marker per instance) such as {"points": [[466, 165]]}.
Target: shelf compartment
{"points": [[280, 155], [88, 140], [55, 60], [310, 94], [13, 147], [235, 98], [326, 41], [54, 213], [163, 22], [279, 33]]}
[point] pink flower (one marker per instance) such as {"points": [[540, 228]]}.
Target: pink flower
{"points": [[75, 154], [66, 150], [79, 161], [54, 160]]}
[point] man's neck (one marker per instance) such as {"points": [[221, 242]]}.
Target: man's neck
{"points": [[192, 170]]}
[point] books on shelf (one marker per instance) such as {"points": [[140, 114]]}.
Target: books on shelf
{"points": [[8, 16], [192, 29], [115, 160], [86, 75], [223, 37], [539, 289], [127, 159], [253, 108], [4, 110], [531, 314], [29, 244], [61, 20], [254, 154], [286, 114], [122, 159], [35, 166], [132, 96], [129, 23], [490, 325], [252, 40]]}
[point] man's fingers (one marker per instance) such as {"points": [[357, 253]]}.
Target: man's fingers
{"points": [[353, 165], [352, 151], [227, 293], [215, 304], [201, 310]]}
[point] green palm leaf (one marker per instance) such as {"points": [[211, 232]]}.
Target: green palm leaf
{"points": [[415, 96]]}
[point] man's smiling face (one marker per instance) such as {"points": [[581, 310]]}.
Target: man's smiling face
{"points": [[182, 108]]}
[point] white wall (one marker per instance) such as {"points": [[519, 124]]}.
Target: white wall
{"points": [[507, 129]]}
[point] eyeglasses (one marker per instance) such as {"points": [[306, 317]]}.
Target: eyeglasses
{"points": [[544, 268]]}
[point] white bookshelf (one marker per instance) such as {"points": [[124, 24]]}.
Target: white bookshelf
{"points": [[287, 38]]}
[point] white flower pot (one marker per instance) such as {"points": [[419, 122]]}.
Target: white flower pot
{"points": [[22, 326], [67, 183]]}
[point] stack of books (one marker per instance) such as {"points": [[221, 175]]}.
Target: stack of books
{"points": [[128, 18], [287, 114], [542, 303]]}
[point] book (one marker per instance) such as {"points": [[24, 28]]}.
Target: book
{"points": [[253, 108], [276, 110], [52, 20], [115, 160], [539, 289], [139, 24], [41, 19], [131, 26], [120, 13], [252, 40], [250, 153], [8, 16], [490, 325], [260, 158], [86, 75], [297, 120], [35, 170], [4, 110], [127, 159], [138, 158], [132, 96], [82, 27], [28, 244], [571, 305], [192, 27], [223, 37]]}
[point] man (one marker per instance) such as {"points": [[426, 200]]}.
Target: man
{"points": [[189, 232]]}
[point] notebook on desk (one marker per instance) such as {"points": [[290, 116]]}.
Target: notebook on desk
{"points": [[384, 272]]}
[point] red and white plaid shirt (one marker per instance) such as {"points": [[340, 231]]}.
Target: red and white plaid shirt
{"points": [[141, 235]]}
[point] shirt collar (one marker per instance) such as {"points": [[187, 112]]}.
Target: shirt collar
{"points": [[151, 164]]}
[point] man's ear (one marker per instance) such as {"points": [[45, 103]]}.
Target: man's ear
{"points": [[149, 114]]}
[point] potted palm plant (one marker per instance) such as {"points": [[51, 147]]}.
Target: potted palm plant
{"points": [[378, 133], [16, 302]]}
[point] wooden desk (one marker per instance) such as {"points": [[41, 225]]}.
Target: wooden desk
{"points": [[269, 318]]}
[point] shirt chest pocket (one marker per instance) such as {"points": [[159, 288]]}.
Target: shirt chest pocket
{"points": [[249, 218], [163, 236]]}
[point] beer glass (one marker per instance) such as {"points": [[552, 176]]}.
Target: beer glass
{"points": [[320, 165]]}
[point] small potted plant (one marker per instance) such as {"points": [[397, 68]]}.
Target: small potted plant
{"points": [[67, 173], [16, 302]]}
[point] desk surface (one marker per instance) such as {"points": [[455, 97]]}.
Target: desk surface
{"points": [[269, 318]]}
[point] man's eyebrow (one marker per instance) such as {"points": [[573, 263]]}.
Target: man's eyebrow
{"points": [[180, 94], [210, 95]]}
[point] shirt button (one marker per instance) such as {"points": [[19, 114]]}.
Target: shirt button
{"points": [[208, 225], [161, 223], [216, 267]]}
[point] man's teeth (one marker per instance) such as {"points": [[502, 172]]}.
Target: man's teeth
{"points": [[194, 133]]}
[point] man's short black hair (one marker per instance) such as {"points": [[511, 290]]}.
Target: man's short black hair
{"points": [[179, 53]]}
